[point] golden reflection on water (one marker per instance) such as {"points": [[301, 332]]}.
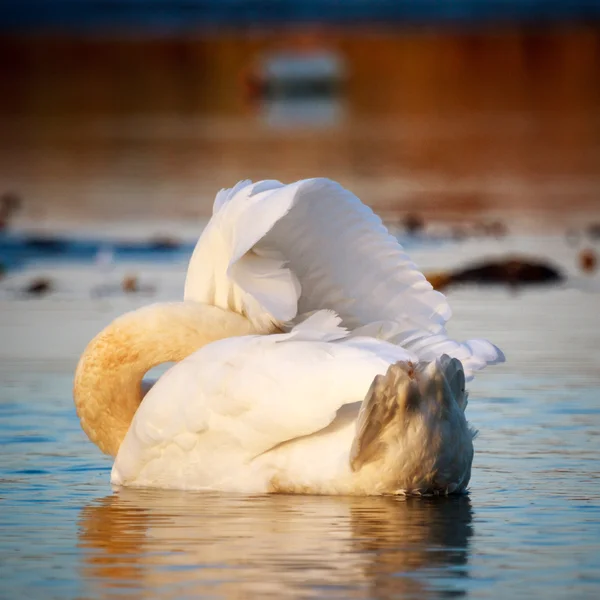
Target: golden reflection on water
{"points": [[448, 122], [184, 544]]}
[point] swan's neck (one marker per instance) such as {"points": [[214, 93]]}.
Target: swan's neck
{"points": [[107, 388]]}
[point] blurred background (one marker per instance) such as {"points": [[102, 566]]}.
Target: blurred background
{"points": [[471, 126], [141, 110]]}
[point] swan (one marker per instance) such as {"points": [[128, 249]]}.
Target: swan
{"points": [[364, 398], [314, 410]]}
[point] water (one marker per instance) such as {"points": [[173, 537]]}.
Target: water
{"points": [[132, 137], [449, 122], [529, 528]]}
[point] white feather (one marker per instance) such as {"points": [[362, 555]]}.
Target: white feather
{"points": [[224, 270], [273, 250], [322, 325]]}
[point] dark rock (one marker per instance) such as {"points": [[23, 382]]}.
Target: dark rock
{"points": [[164, 243], [593, 231], [413, 223], [38, 287], [588, 260], [514, 271], [10, 202], [48, 245], [131, 285], [497, 229]]}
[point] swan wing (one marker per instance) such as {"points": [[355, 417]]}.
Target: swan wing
{"points": [[474, 354], [272, 251], [244, 396], [346, 260], [226, 271], [270, 246]]}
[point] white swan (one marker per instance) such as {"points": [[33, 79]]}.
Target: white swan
{"points": [[281, 413]]}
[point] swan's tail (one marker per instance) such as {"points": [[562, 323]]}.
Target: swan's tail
{"points": [[412, 431], [474, 355]]}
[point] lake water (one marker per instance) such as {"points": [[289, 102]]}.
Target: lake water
{"points": [[497, 121], [131, 137], [529, 528]]}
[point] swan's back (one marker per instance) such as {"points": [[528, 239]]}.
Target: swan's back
{"points": [[296, 413]]}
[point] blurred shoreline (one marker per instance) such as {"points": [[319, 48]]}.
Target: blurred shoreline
{"points": [[497, 122]]}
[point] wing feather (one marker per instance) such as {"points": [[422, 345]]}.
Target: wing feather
{"points": [[274, 251], [330, 227], [225, 271]]}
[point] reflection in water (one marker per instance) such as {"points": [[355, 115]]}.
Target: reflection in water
{"points": [[180, 543], [446, 122]]}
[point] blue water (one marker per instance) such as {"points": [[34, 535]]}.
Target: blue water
{"points": [[530, 527], [17, 250]]}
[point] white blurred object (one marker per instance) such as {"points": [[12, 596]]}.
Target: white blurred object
{"points": [[105, 258]]}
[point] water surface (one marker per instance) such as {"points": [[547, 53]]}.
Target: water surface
{"points": [[529, 528], [133, 137]]}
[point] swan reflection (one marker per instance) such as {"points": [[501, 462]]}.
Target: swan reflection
{"points": [[180, 544]]}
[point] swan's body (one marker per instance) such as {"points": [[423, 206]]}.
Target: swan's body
{"points": [[281, 413]]}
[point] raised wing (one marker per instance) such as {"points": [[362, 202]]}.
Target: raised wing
{"points": [[346, 260], [272, 251], [474, 354], [338, 249], [244, 396], [227, 271]]}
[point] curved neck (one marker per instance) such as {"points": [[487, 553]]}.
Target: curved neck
{"points": [[107, 388]]}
